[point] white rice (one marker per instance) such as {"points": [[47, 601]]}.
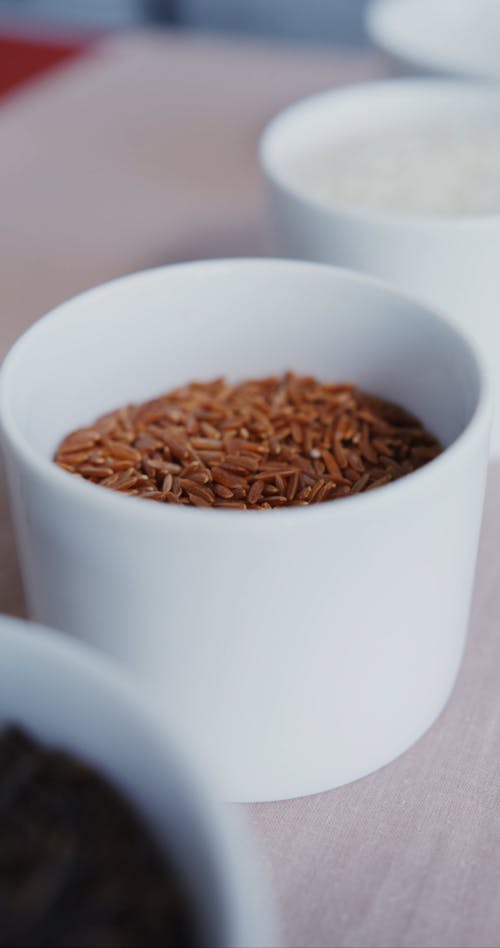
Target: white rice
{"points": [[448, 169]]}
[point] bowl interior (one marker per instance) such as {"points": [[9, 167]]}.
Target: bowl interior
{"points": [[315, 125], [139, 336]]}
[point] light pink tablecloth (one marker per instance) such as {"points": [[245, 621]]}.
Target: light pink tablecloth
{"points": [[146, 153]]}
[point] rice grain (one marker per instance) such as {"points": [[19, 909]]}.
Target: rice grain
{"points": [[260, 444]]}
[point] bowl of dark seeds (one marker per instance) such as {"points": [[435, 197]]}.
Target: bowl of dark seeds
{"points": [[258, 485], [106, 839]]}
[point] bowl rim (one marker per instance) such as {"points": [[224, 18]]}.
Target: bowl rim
{"points": [[224, 834], [111, 502], [367, 215]]}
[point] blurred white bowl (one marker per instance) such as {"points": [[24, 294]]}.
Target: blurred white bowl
{"points": [[447, 261], [300, 648], [458, 37], [70, 698]]}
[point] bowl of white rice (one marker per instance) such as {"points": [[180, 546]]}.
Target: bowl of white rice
{"points": [[399, 179]]}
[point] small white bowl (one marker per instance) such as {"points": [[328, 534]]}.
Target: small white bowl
{"points": [[457, 37], [297, 649], [448, 262], [70, 698]]}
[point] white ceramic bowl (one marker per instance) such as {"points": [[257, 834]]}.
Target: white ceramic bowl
{"points": [[70, 698], [298, 649], [449, 262], [460, 37]]}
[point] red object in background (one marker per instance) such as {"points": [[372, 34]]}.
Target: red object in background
{"points": [[21, 59]]}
